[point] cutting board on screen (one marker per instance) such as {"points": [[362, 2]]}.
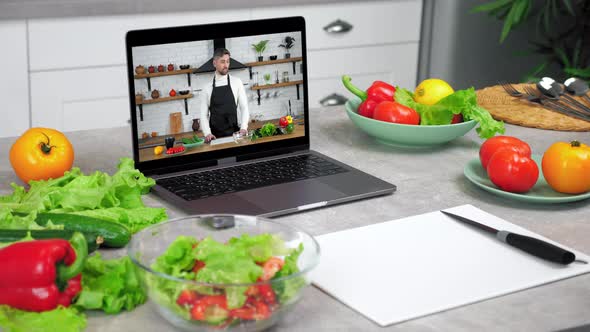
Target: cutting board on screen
{"points": [[176, 123], [416, 266]]}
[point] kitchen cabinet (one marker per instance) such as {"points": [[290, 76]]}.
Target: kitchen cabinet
{"points": [[100, 41], [77, 67], [80, 99], [14, 83], [379, 39], [70, 73]]}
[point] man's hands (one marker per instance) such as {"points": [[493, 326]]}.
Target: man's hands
{"points": [[209, 138]]}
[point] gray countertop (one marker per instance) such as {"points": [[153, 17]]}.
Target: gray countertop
{"points": [[427, 180], [25, 9]]}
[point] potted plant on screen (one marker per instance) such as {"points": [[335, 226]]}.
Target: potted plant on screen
{"points": [[259, 48], [288, 45]]}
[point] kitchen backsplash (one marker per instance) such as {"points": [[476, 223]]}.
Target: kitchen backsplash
{"points": [[273, 103]]}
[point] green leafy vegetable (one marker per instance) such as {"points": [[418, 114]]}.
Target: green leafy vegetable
{"points": [[231, 263], [135, 219], [290, 287], [116, 197], [192, 140], [110, 285], [64, 319], [461, 102], [268, 129]]}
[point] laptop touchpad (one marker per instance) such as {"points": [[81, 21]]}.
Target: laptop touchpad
{"points": [[291, 195]]}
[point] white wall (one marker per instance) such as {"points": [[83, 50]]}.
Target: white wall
{"points": [[14, 84], [156, 116]]}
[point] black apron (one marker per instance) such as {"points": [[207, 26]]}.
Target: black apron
{"points": [[223, 111]]}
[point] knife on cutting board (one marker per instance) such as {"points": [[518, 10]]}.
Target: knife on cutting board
{"points": [[531, 245]]}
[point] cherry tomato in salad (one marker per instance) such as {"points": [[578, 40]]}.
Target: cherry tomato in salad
{"points": [[186, 297], [271, 267], [198, 266], [262, 310], [245, 312], [267, 293], [204, 306]]}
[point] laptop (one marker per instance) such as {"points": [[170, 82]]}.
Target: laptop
{"points": [[258, 160]]}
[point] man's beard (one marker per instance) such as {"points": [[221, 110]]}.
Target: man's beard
{"points": [[223, 71]]}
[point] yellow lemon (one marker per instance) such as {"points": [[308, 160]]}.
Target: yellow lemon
{"points": [[431, 90], [158, 150]]}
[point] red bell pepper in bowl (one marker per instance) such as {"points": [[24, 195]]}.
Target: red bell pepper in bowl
{"points": [[39, 275], [378, 92]]}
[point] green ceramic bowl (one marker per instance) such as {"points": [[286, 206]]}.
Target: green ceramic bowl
{"points": [[192, 145], [541, 192], [402, 135]]}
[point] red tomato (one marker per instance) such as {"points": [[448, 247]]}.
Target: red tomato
{"points": [[245, 312], [367, 107], [198, 266], [267, 294], [457, 118], [262, 310], [513, 172], [271, 267], [186, 297], [492, 145], [391, 111], [200, 306]]}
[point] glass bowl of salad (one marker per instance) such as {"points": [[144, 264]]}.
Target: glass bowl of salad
{"points": [[223, 272]]}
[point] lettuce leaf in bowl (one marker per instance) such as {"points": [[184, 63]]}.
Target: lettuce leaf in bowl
{"points": [[460, 102]]}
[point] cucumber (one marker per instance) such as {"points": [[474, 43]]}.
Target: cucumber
{"points": [[114, 234], [12, 235]]}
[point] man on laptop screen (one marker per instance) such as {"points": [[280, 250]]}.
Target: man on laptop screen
{"points": [[236, 126], [221, 100]]}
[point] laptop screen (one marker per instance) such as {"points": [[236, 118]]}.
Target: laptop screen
{"points": [[202, 93]]}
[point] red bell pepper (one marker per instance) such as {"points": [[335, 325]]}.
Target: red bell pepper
{"points": [[378, 92], [39, 275]]}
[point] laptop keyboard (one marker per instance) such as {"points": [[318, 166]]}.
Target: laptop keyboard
{"points": [[250, 176]]}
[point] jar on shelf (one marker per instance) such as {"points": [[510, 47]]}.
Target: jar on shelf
{"points": [[285, 76]]}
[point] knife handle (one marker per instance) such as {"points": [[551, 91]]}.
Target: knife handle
{"points": [[537, 247]]}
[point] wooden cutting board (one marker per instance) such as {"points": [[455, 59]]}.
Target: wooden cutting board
{"points": [[523, 113], [176, 123]]}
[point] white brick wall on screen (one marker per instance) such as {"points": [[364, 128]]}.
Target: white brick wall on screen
{"points": [[273, 104]]}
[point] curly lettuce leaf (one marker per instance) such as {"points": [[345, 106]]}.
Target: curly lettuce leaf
{"points": [[66, 319], [287, 289], [10, 221], [135, 219], [91, 195], [110, 285], [460, 102], [231, 263]]}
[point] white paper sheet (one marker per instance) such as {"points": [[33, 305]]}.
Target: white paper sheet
{"points": [[407, 268]]}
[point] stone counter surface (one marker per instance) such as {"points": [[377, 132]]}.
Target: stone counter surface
{"points": [[427, 180], [25, 9]]}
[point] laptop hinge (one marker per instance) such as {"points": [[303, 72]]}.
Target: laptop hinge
{"points": [[226, 161]]}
